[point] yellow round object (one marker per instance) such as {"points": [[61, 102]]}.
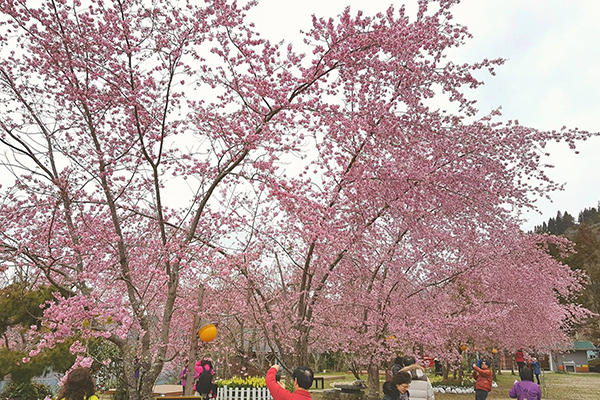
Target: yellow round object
{"points": [[207, 333], [494, 351], [463, 347]]}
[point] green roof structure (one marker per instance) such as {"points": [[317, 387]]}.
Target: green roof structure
{"points": [[584, 346]]}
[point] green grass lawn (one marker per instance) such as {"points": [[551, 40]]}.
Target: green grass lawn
{"points": [[554, 387]]}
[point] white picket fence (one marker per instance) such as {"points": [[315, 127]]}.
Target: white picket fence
{"points": [[227, 393]]}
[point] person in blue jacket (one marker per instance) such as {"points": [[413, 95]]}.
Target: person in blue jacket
{"points": [[535, 368]]}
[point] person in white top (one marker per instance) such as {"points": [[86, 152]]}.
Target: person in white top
{"points": [[420, 387]]}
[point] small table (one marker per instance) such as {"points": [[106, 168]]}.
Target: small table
{"points": [[318, 379]]}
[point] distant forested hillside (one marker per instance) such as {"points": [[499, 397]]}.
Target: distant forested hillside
{"points": [[585, 234], [563, 221]]}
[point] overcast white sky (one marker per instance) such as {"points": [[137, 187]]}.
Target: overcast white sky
{"points": [[551, 79]]}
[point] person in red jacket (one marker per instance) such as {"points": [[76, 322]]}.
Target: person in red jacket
{"points": [[483, 376], [520, 359], [303, 380]]}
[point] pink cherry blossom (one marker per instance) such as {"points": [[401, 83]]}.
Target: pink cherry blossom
{"points": [[317, 198]]}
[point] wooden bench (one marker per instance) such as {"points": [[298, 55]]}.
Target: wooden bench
{"points": [[318, 379]]}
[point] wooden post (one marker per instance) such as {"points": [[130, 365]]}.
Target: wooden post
{"points": [[196, 325], [445, 370]]}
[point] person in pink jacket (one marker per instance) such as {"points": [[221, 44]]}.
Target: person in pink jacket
{"points": [[184, 372]]}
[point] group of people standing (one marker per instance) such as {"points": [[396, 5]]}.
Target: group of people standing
{"points": [[406, 373], [531, 364], [80, 385], [523, 390]]}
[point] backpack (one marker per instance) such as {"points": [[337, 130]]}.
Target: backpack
{"points": [[524, 395], [204, 383]]}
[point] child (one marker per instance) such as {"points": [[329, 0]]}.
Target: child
{"points": [[483, 377], [526, 389], [535, 367], [79, 386]]}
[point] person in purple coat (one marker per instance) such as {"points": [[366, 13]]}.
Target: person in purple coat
{"points": [[526, 389], [184, 377]]}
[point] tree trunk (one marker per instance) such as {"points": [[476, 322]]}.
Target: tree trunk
{"points": [[373, 380], [316, 362], [498, 363], [197, 323], [302, 347], [445, 371], [146, 390], [129, 364], [354, 368]]}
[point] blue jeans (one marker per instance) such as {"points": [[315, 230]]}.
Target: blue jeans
{"points": [[480, 394]]}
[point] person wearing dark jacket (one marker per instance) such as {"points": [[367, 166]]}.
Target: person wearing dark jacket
{"points": [[483, 380], [397, 387], [303, 380], [535, 368], [204, 384], [526, 389]]}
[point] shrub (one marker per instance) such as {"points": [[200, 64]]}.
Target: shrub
{"points": [[466, 382], [249, 382], [25, 391]]}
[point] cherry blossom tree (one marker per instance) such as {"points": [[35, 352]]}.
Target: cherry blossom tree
{"points": [[394, 176], [156, 147], [108, 109]]}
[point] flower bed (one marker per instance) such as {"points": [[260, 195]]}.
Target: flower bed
{"points": [[246, 382], [248, 388], [452, 386]]}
